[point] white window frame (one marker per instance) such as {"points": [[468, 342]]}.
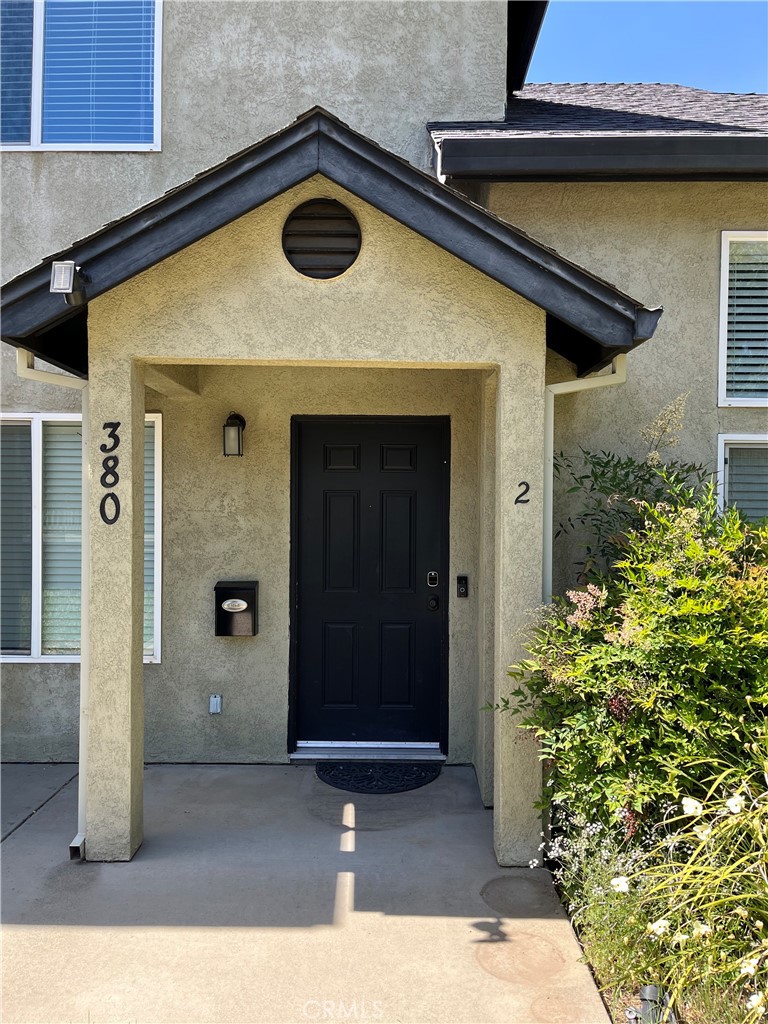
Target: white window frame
{"points": [[36, 421], [725, 255], [724, 443], [36, 105]]}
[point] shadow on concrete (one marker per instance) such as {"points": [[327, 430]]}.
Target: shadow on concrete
{"points": [[272, 846], [263, 896]]}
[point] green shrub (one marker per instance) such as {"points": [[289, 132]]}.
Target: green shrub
{"points": [[613, 488], [637, 682], [703, 888], [688, 908], [647, 690]]}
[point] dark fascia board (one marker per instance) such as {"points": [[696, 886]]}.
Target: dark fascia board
{"points": [[318, 143], [510, 157], [524, 20]]}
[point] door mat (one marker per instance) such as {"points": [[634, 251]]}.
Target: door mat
{"points": [[377, 776]]}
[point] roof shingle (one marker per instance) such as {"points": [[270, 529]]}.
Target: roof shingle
{"points": [[605, 109], [651, 109]]}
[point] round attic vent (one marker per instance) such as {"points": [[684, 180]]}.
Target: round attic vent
{"points": [[321, 238]]}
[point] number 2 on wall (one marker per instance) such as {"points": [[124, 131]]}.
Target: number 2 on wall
{"points": [[524, 488]]}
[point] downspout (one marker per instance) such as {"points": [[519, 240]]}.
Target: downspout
{"points": [[618, 375], [26, 370], [77, 846]]}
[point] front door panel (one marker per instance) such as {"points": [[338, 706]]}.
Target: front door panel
{"points": [[370, 525]]}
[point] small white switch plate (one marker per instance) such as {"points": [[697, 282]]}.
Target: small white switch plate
{"points": [[214, 704]]}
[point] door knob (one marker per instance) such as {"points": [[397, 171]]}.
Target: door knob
{"points": [[432, 579]]}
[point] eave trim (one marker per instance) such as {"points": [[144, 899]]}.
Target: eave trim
{"points": [[320, 144], [494, 156]]}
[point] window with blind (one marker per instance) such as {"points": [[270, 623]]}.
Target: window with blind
{"points": [[744, 319], [80, 74], [744, 473], [40, 498]]}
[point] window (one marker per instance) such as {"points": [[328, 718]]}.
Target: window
{"points": [[80, 74], [743, 473], [744, 318], [40, 537]]}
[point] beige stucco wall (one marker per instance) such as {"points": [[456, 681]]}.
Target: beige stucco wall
{"points": [[234, 71], [408, 329], [234, 514], [659, 241]]}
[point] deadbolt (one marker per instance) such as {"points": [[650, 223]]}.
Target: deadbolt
{"points": [[432, 579], [433, 603]]}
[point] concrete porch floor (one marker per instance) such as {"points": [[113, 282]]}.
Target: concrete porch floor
{"points": [[262, 895]]}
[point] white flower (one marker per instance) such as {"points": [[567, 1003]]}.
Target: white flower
{"points": [[735, 804], [680, 938], [620, 883], [755, 1000], [691, 806], [700, 929], [749, 966], [703, 832], [533, 863], [659, 927]]}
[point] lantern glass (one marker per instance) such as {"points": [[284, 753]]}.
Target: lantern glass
{"points": [[233, 434]]}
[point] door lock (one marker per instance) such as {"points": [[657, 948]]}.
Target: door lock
{"points": [[432, 579], [433, 603]]}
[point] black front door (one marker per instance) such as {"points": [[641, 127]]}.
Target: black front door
{"points": [[370, 514]]}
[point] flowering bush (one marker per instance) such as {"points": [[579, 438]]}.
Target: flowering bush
{"points": [[637, 685], [685, 908], [634, 683], [710, 873]]}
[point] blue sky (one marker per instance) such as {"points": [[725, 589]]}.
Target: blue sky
{"points": [[709, 44]]}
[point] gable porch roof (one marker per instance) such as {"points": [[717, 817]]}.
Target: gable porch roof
{"points": [[588, 320]]}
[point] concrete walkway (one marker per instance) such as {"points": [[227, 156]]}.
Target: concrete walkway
{"points": [[262, 895]]}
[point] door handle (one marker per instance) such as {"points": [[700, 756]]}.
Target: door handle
{"points": [[432, 579]]}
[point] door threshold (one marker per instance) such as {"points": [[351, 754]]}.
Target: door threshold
{"points": [[358, 752]]}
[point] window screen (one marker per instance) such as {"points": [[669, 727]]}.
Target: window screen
{"points": [[62, 504], [16, 538], [16, 18], [57, 528], [149, 538], [98, 71], [747, 334], [748, 480]]}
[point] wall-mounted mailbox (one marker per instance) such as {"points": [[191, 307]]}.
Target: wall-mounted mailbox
{"points": [[237, 607]]}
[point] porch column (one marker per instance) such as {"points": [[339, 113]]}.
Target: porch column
{"points": [[519, 461], [114, 825]]}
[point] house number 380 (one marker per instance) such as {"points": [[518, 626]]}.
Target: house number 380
{"points": [[109, 507]]}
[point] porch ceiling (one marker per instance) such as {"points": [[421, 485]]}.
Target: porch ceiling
{"points": [[588, 320]]}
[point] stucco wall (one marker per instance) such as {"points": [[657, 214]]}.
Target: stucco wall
{"points": [[661, 243], [232, 300], [408, 329], [234, 515], [234, 71]]}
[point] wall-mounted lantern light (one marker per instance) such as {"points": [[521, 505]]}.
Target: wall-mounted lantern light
{"points": [[68, 280], [233, 434]]}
